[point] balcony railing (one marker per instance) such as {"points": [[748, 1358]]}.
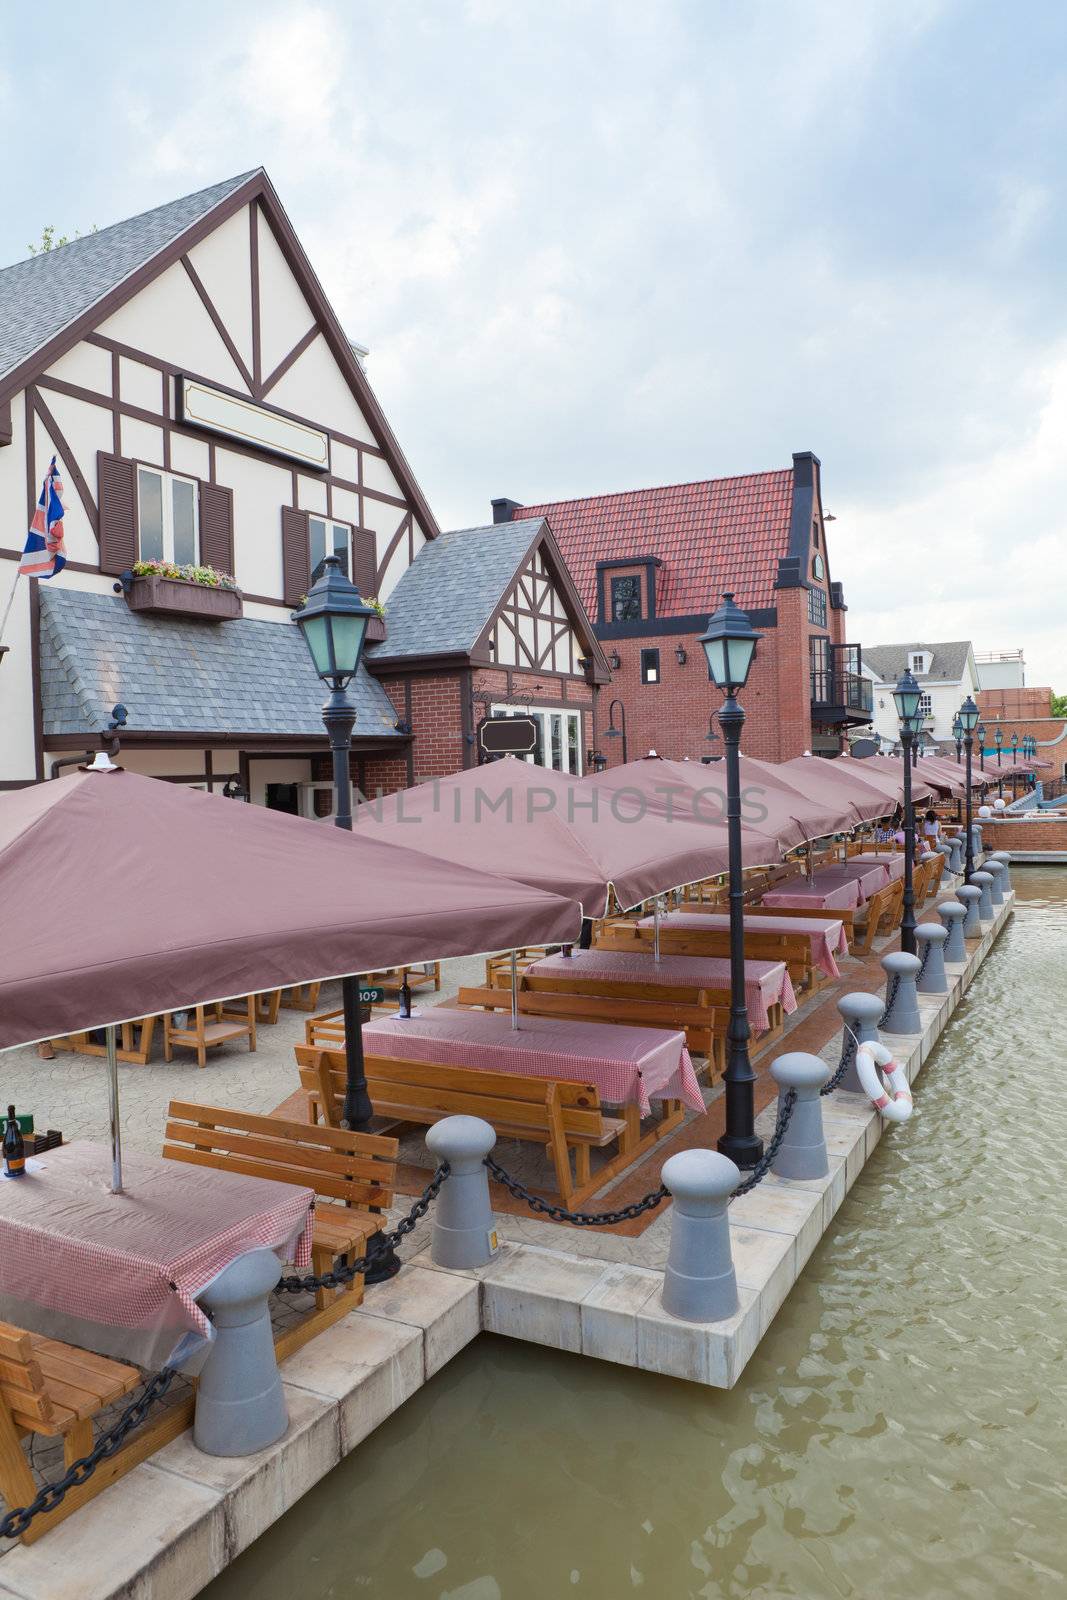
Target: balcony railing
{"points": [[845, 691]]}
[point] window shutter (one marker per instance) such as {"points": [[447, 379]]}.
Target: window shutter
{"points": [[365, 561], [216, 527], [296, 556], [117, 494]]}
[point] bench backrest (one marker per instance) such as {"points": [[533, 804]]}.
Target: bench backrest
{"points": [[845, 915], [435, 1090], [21, 1379], [793, 949], [599, 1000], [338, 1163]]}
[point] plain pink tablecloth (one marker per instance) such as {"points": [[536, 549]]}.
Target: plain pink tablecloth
{"points": [[822, 895], [826, 937], [869, 875], [119, 1273], [766, 982], [625, 1064]]}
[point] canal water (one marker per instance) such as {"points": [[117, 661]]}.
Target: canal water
{"points": [[899, 1435]]}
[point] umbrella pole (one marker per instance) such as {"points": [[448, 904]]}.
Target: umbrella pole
{"points": [[514, 990], [655, 930], [113, 1102]]}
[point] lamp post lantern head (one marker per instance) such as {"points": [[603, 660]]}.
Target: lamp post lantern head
{"points": [[333, 620], [906, 697], [729, 645], [969, 715], [998, 738], [957, 728], [980, 733], [1015, 741]]}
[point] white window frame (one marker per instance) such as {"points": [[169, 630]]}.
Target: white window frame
{"points": [[918, 662], [542, 716], [328, 523], [168, 479]]}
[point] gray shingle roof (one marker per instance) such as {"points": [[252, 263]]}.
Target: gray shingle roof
{"points": [[452, 588], [183, 676], [887, 661], [43, 295]]}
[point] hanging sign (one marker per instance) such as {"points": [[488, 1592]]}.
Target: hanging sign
{"points": [[508, 736], [372, 996]]}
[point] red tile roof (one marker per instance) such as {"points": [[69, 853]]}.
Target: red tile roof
{"points": [[724, 533]]}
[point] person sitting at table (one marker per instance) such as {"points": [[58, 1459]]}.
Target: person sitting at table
{"points": [[931, 830]]}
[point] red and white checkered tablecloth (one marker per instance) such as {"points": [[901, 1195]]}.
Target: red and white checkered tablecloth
{"points": [[891, 860], [824, 894], [767, 983], [826, 937], [120, 1273], [626, 1064]]}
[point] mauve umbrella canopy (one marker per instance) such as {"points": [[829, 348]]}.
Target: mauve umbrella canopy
{"points": [[886, 772], [834, 783], [124, 896], [549, 829], [771, 807]]}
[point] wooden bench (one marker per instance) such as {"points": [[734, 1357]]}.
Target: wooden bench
{"points": [[881, 914], [133, 1042], [702, 1015], [53, 1390], [846, 917], [353, 1176], [562, 1115]]}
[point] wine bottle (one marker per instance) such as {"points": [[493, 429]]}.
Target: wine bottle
{"points": [[404, 1009], [14, 1147]]}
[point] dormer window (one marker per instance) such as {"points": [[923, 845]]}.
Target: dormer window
{"points": [[918, 662], [626, 598]]}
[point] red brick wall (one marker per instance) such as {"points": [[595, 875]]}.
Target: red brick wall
{"points": [[1048, 835], [516, 688], [1009, 703]]}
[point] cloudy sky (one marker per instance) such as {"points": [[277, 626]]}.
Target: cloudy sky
{"points": [[594, 246]]}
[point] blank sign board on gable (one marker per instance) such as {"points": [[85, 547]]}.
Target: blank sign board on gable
{"points": [[201, 406]]}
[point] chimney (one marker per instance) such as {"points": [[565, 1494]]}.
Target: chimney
{"points": [[502, 509]]}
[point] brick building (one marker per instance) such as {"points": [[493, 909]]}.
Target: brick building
{"points": [[650, 566]]}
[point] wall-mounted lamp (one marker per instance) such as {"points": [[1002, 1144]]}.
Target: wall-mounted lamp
{"points": [[680, 656], [615, 661]]}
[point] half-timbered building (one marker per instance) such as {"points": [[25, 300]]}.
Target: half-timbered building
{"points": [[208, 409]]}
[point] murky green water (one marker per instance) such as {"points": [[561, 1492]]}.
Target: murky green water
{"points": [[900, 1434]]}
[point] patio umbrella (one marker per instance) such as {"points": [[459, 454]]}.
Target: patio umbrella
{"points": [[574, 836], [836, 783], [886, 772], [124, 896], [772, 808]]}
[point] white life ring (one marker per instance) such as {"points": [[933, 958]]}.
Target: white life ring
{"points": [[896, 1104]]}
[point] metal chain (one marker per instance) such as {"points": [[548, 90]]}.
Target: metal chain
{"points": [[381, 1244], [926, 956], [766, 1161], [583, 1219], [891, 994], [848, 1055], [53, 1494]]}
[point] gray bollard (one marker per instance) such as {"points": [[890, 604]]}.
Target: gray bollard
{"points": [[860, 1013], [956, 859], [984, 881], [802, 1153], [996, 870], [952, 914], [931, 937], [699, 1284], [969, 895], [945, 849], [1005, 857], [240, 1406], [463, 1232], [976, 840], [902, 969]]}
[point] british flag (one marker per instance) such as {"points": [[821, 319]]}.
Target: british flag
{"points": [[43, 555]]}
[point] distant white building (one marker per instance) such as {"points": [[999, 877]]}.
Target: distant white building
{"points": [[1001, 669], [946, 674]]}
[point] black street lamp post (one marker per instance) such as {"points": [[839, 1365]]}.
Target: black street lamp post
{"points": [[729, 645], [969, 718], [957, 734], [1014, 747], [906, 697], [333, 620], [980, 736], [998, 740], [611, 731]]}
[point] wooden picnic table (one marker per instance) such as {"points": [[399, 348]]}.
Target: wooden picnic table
{"points": [[767, 983], [841, 886], [626, 1064], [826, 936]]}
